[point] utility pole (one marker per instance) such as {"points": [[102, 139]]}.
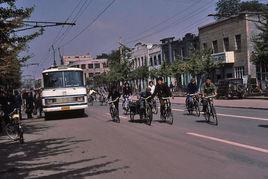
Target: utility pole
{"points": [[61, 57], [54, 56]]}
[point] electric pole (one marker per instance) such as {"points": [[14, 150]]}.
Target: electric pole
{"points": [[61, 57], [54, 56]]}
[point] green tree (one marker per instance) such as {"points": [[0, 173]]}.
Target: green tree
{"points": [[260, 54], [252, 6], [11, 43], [227, 8]]}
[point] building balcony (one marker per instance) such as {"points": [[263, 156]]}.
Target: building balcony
{"points": [[224, 57]]}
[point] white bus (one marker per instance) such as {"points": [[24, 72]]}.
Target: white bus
{"points": [[63, 90]]}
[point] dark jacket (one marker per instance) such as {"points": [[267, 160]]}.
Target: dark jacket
{"points": [[192, 88], [162, 91], [114, 95], [127, 91]]}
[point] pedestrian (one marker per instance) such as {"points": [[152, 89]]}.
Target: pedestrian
{"points": [[171, 86], [29, 105], [18, 102], [38, 102]]}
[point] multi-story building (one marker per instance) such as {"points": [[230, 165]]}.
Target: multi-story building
{"points": [[231, 42], [148, 55], [92, 67]]}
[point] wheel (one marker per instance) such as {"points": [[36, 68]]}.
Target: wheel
{"points": [[21, 134], [197, 109], [214, 115], [131, 115], [169, 117], [207, 114], [47, 116], [149, 116], [12, 131], [154, 108]]}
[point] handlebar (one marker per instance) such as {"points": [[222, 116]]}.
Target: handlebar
{"points": [[146, 98], [113, 100], [209, 97], [166, 98], [195, 94]]}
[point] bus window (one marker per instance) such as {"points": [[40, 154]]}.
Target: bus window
{"points": [[53, 80], [73, 78]]}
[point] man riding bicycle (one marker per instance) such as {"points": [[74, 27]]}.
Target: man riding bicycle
{"points": [[192, 88], [161, 91], [114, 94], [208, 89]]}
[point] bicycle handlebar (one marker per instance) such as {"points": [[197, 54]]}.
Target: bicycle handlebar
{"points": [[208, 97], [146, 98], [113, 100], [166, 98]]}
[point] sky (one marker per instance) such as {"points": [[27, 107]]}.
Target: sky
{"points": [[128, 21]]}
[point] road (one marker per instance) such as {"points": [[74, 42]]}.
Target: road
{"points": [[94, 147]]}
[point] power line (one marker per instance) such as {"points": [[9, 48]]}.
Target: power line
{"points": [[172, 24], [165, 20], [89, 25]]}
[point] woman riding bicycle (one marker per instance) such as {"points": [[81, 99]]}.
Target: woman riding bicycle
{"points": [[114, 94]]}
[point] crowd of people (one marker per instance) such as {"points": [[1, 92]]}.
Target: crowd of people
{"points": [[27, 102]]}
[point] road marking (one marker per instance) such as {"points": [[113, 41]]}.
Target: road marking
{"points": [[231, 115], [245, 117], [230, 142]]}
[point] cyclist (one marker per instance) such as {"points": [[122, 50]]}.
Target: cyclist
{"points": [[161, 91], [208, 89], [192, 88], [151, 86], [114, 94], [126, 93]]}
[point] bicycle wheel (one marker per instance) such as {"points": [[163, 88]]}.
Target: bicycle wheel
{"points": [[131, 115], [207, 114], [214, 115], [21, 134], [197, 109], [149, 116], [12, 131], [169, 117], [154, 108]]}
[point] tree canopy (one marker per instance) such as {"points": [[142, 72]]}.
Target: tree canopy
{"points": [[11, 43]]}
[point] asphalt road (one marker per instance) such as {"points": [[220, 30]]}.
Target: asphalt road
{"points": [[95, 147]]}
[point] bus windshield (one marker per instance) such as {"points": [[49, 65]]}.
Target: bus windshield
{"points": [[63, 79]]}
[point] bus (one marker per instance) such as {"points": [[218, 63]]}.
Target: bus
{"points": [[63, 90]]}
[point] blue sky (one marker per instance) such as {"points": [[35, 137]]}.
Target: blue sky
{"points": [[132, 20]]}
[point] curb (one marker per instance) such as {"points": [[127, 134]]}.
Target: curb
{"points": [[237, 107]]}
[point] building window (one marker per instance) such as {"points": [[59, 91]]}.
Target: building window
{"points": [[205, 45], [159, 59], [145, 61], [97, 65], [90, 66], [83, 66], [226, 44], [104, 65], [238, 42], [142, 61], [139, 62], [155, 61], [215, 46], [239, 72], [151, 61]]}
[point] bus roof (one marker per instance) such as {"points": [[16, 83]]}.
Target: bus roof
{"points": [[62, 68]]}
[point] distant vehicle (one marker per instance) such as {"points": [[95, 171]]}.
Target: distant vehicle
{"points": [[231, 88], [63, 90]]}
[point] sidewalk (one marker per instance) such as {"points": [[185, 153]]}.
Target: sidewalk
{"points": [[235, 103]]}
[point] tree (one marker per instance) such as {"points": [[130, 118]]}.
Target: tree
{"points": [[260, 54], [11, 43], [227, 8], [252, 6]]}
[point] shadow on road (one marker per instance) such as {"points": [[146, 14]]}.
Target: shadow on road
{"points": [[263, 126], [45, 158]]}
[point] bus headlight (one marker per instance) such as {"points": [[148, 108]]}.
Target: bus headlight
{"points": [[80, 99]]}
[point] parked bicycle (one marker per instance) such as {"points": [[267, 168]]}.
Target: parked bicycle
{"points": [[167, 111], [210, 111], [13, 128], [113, 111], [193, 104]]}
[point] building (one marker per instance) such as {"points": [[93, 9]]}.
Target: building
{"points": [[231, 42], [92, 67], [148, 55]]}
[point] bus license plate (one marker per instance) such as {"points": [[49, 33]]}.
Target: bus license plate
{"points": [[65, 108]]}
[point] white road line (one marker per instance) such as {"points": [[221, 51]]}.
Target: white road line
{"points": [[245, 117], [233, 116], [258, 149]]}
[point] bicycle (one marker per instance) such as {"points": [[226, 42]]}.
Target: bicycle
{"points": [[90, 99], [154, 106], [192, 104], [125, 104], [13, 128], [146, 112], [167, 111], [102, 99], [113, 111], [210, 111]]}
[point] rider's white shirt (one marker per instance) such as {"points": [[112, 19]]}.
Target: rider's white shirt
{"points": [[152, 89]]}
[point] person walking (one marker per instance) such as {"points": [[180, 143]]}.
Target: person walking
{"points": [[29, 105]]}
